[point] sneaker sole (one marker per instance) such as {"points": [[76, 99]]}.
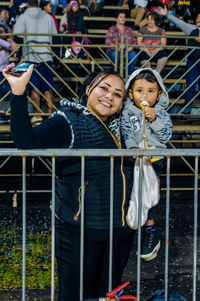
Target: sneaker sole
{"points": [[153, 254]]}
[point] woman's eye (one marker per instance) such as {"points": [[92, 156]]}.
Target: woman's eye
{"points": [[118, 95], [104, 88]]}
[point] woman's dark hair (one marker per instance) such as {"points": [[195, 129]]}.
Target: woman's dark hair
{"points": [[93, 80], [43, 4], [155, 17], [120, 12], [148, 75]]}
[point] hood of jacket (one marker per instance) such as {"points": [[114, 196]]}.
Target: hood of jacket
{"points": [[113, 123], [163, 102], [35, 13]]}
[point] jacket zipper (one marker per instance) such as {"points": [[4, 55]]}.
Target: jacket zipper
{"points": [[76, 217]]}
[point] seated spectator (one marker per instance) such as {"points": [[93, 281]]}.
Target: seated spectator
{"points": [[114, 35], [13, 9], [64, 19], [183, 9], [6, 47], [76, 25], [4, 17], [16, 13], [157, 54], [138, 8], [55, 4], [47, 7], [193, 64], [94, 6], [123, 3]]}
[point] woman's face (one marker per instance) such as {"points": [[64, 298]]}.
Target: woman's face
{"points": [[48, 8], [75, 8], [150, 21], [121, 19], [105, 99], [144, 90]]}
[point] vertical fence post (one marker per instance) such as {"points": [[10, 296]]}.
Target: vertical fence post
{"points": [[167, 227], [139, 226], [111, 221], [195, 229], [82, 225], [53, 232], [24, 229]]}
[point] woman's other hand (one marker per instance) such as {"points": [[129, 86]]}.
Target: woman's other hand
{"points": [[17, 84]]}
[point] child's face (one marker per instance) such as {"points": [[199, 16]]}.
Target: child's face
{"points": [[144, 90]]}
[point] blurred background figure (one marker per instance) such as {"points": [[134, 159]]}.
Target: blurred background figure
{"points": [[113, 37], [94, 6], [55, 4], [157, 54], [7, 45], [4, 18], [47, 7]]}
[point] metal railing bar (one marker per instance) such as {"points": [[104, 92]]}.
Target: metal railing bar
{"points": [[5, 161], [24, 229], [139, 225], [53, 231], [111, 223], [175, 67], [184, 160], [52, 70], [97, 153], [167, 228], [45, 164], [82, 226], [195, 229]]}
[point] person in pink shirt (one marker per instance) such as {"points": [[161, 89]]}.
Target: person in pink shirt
{"points": [[114, 35]]}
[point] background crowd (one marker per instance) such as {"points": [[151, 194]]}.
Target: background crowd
{"points": [[39, 16]]}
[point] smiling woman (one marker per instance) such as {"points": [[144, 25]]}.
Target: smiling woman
{"points": [[92, 122]]}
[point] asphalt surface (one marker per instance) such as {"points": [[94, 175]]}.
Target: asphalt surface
{"points": [[180, 273]]}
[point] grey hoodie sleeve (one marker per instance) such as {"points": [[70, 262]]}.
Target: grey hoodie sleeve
{"points": [[187, 28], [162, 126], [127, 131]]}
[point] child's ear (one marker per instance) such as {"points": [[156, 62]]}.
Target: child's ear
{"points": [[159, 94], [130, 94]]}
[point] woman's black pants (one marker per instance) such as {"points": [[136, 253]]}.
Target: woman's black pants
{"points": [[96, 260]]}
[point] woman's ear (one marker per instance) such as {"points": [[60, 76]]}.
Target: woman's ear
{"points": [[87, 90]]}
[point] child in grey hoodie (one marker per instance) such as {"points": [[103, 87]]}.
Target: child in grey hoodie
{"points": [[147, 85]]}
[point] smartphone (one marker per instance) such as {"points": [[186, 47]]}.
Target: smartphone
{"points": [[19, 69]]}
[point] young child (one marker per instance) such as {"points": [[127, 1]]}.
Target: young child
{"points": [[146, 84]]}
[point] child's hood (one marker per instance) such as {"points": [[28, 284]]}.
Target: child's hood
{"points": [[164, 98]]}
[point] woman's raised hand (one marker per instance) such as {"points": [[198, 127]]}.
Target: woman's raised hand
{"points": [[17, 83], [162, 11]]}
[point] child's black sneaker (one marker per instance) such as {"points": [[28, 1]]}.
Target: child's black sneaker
{"points": [[150, 243]]}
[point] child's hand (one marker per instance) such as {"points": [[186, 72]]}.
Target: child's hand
{"points": [[150, 114]]}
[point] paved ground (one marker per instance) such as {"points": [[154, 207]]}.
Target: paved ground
{"points": [[152, 273]]}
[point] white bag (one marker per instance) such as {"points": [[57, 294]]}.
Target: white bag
{"points": [[150, 193]]}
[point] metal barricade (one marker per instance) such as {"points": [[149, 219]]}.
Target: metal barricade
{"points": [[53, 154], [73, 70]]}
